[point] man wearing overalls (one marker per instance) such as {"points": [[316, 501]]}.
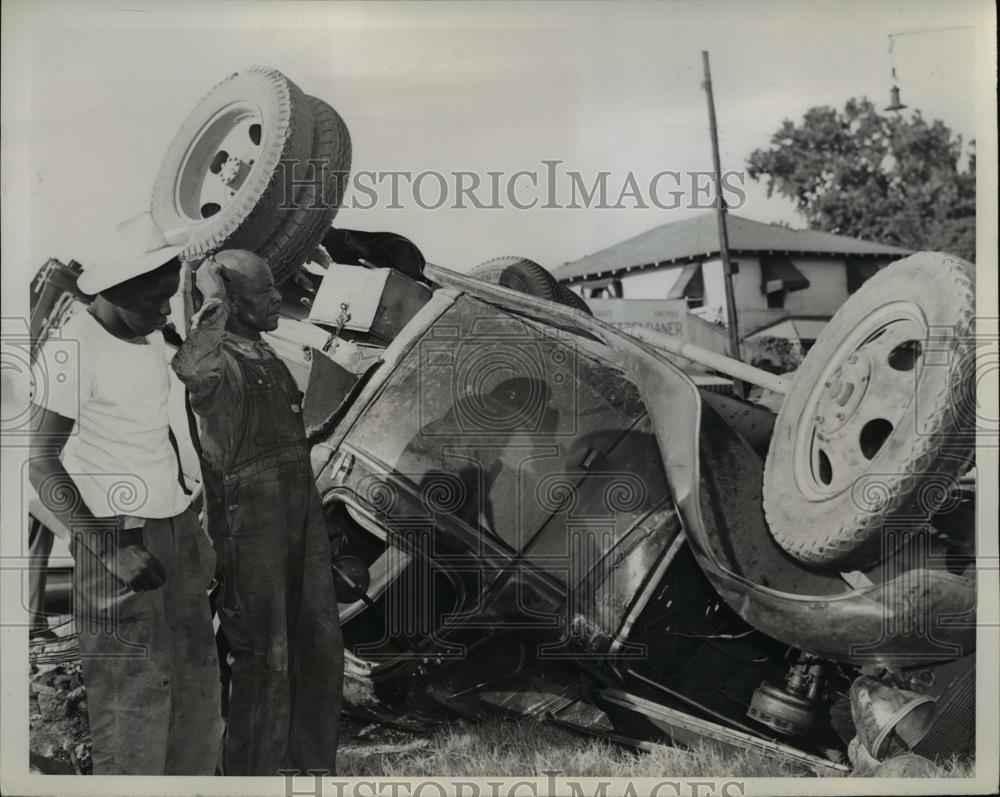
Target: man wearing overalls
{"points": [[277, 608]]}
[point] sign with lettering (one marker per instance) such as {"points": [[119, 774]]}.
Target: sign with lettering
{"points": [[669, 316]]}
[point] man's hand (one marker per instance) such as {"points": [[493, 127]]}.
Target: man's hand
{"points": [[135, 566], [210, 280]]}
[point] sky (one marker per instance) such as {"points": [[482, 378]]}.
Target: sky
{"points": [[95, 91]]}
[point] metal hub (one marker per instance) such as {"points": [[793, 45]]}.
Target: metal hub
{"points": [[231, 169], [843, 395]]}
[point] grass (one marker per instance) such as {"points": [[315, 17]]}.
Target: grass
{"points": [[499, 748], [529, 748]]}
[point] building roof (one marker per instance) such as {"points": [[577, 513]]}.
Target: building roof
{"points": [[697, 239]]}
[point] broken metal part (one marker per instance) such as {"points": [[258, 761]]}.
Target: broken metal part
{"points": [[699, 707], [687, 730], [889, 720], [710, 359]]}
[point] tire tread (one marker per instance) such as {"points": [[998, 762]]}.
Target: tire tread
{"points": [[293, 242]]}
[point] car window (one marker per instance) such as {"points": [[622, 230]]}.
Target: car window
{"points": [[486, 407]]}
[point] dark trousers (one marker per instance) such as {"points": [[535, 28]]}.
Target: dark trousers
{"points": [[149, 658], [279, 613]]}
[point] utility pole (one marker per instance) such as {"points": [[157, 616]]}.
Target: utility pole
{"points": [[720, 210]]}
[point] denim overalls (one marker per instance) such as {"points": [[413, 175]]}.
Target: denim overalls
{"points": [[277, 606]]}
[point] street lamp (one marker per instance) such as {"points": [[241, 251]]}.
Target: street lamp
{"points": [[895, 104]]}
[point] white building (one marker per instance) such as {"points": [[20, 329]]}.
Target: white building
{"points": [[786, 283]]}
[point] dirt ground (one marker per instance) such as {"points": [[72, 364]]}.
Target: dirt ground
{"points": [[59, 739], [59, 736]]}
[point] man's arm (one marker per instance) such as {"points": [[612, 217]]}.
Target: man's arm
{"points": [[55, 487], [57, 491], [199, 362]]}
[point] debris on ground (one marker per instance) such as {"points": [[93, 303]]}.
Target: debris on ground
{"points": [[60, 736]]}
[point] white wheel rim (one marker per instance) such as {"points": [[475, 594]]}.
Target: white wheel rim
{"points": [[218, 162], [859, 400]]}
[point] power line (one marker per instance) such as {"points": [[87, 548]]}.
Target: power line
{"points": [[927, 30]]}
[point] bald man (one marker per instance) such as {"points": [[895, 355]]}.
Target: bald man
{"points": [[277, 608]]}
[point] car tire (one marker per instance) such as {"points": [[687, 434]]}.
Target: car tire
{"points": [[571, 299], [316, 207], [880, 421], [518, 274], [257, 112]]}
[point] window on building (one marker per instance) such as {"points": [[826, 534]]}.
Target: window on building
{"points": [[776, 299], [695, 291]]}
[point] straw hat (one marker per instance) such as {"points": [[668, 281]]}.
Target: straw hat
{"points": [[137, 247]]}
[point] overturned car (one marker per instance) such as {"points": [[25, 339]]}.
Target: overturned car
{"points": [[538, 514], [551, 518]]}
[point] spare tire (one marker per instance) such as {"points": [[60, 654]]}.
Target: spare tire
{"points": [[880, 419], [518, 274], [223, 177], [317, 205], [572, 299]]}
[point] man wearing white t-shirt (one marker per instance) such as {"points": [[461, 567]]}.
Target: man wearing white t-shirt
{"points": [[103, 463]]}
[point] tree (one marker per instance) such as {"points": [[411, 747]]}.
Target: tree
{"points": [[890, 179]]}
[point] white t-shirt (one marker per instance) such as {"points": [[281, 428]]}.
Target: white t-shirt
{"points": [[119, 453]]}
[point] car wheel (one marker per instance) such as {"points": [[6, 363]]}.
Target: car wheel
{"points": [[223, 176], [293, 243], [571, 299], [519, 274], [880, 420]]}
